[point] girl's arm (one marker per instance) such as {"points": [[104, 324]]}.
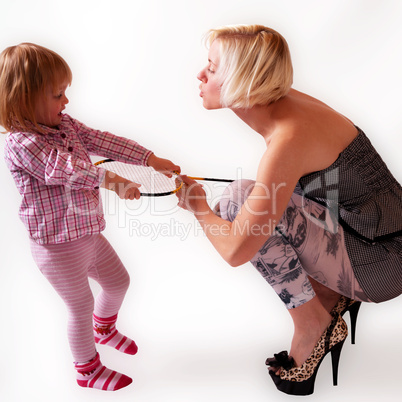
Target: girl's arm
{"points": [[124, 188], [163, 165], [238, 241], [107, 145], [50, 166], [103, 143]]}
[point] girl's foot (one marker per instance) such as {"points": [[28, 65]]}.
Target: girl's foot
{"points": [[95, 375], [105, 333]]}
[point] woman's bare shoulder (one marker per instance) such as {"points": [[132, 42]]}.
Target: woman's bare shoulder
{"points": [[306, 143]]}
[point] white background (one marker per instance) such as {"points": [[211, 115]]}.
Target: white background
{"points": [[203, 329]]}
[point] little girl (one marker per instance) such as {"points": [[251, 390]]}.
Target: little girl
{"points": [[47, 153]]}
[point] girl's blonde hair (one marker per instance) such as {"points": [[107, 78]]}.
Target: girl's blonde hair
{"points": [[26, 71], [255, 65]]}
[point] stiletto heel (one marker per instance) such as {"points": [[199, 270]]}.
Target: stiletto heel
{"points": [[335, 356], [345, 304], [353, 311], [300, 380]]}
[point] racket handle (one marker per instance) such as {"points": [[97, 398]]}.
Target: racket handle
{"points": [[211, 179]]}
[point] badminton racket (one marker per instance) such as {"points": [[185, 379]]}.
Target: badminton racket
{"points": [[153, 183]]}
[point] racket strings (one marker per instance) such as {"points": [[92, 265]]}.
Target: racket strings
{"points": [[152, 182]]}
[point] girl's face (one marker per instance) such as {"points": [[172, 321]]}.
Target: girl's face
{"points": [[48, 108], [210, 85]]}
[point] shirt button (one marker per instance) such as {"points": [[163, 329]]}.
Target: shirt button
{"points": [[63, 135], [96, 188], [70, 149]]}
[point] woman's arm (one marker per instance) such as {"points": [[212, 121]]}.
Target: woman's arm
{"points": [[237, 242]]}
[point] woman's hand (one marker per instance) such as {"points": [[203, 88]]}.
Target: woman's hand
{"points": [[192, 197], [125, 189], [164, 166]]}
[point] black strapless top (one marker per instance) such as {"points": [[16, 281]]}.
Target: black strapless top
{"points": [[362, 191]]}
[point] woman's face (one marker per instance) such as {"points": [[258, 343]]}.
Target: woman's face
{"points": [[210, 85]]}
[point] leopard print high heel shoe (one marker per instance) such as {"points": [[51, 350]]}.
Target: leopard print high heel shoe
{"points": [[343, 305], [300, 380]]}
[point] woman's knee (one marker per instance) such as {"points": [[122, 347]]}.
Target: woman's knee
{"points": [[233, 197]]}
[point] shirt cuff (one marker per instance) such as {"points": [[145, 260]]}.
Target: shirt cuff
{"points": [[147, 155], [101, 178]]}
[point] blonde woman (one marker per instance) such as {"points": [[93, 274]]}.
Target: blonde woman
{"points": [[337, 241]]}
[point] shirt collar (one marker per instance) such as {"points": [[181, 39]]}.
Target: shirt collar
{"points": [[44, 129]]}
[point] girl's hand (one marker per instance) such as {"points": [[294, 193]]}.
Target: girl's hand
{"points": [[164, 166], [192, 197], [125, 189]]}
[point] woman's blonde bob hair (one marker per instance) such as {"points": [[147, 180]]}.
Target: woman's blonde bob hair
{"points": [[26, 71], [255, 65]]}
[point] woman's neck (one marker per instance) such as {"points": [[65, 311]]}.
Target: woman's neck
{"points": [[259, 118]]}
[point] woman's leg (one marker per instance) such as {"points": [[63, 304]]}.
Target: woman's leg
{"points": [[306, 252], [318, 240], [307, 243]]}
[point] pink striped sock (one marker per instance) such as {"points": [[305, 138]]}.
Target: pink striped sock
{"points": [[95, 375], [106, 334]]}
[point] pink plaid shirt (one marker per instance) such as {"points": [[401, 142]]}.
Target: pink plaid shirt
{"points": [[58, 182]]}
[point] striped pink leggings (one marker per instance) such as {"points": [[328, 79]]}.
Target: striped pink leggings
{"points": [[67, 267]]}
